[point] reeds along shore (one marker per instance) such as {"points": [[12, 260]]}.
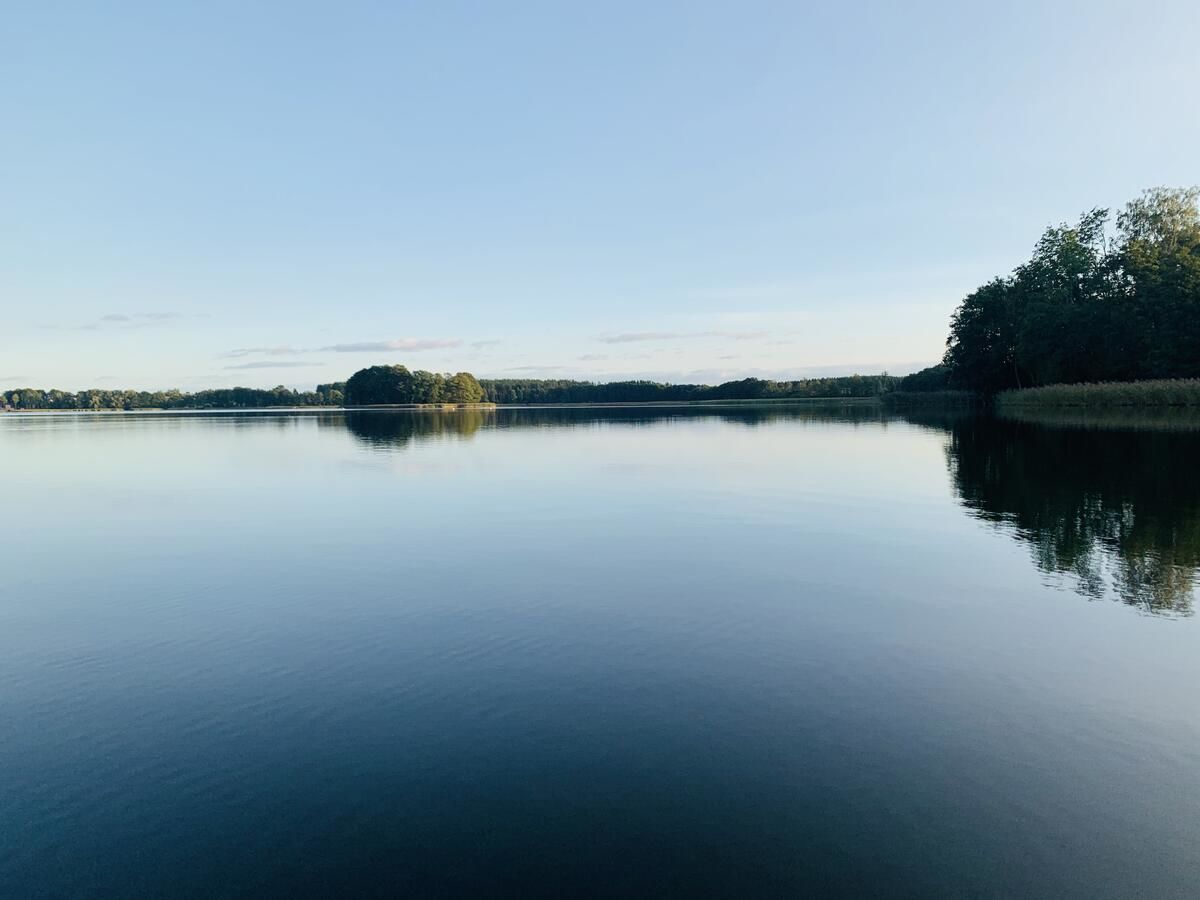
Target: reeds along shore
{"points": [[1163, 392]]}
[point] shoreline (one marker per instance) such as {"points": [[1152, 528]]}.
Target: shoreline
{"points": [[460, 407]]}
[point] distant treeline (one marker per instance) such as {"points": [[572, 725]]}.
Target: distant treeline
{"points": [[396, 384], [380, 385], [1094, 303], [529, 390], [219, 398]]}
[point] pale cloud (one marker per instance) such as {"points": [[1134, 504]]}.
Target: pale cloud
{"points": [[479, 345], [274, 365], [142, 317], [593, 357], [121, 320], [630, 337], [406, 345], [738, 335], [535, 369], [265, 351]]}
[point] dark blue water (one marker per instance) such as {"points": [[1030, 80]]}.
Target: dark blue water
{"points": [[597, 653]]}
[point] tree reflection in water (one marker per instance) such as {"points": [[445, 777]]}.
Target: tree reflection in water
{"points": [[1116, 511], [1110, 504], [384, 429]]}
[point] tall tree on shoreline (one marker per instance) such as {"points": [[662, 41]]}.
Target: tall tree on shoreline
{"points": [[1090, 305]]}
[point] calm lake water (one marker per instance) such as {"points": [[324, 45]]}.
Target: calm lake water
{"points": [[563, 653]]}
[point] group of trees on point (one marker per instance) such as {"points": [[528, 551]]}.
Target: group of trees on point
{"points": [[1105, 299], [396, 384]]}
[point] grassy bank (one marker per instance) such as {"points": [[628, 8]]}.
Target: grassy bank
{"points": [[1164, 392]]}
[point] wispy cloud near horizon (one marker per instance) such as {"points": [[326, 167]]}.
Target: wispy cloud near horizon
{"points": [[142, 317], [265, 351], [399, 345], [264, 364], [630, 337], [406, 345], [122, 320]]}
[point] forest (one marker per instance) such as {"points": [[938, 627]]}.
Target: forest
{"points": [[531, 390], [217, 398], [1106, 299], [396, 384], [399, 385]]}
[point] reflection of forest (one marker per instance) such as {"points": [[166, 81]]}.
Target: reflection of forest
{"points": [[396, 428], [748, 414], [1116, 511]]}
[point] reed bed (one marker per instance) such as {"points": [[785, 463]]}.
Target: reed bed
{"points": [[1162, 392]]}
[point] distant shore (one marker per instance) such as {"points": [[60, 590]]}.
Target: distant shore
{"points": [[459, 407], [1164, 394]]}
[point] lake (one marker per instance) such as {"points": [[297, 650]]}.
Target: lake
{"points": [[729, 652]]}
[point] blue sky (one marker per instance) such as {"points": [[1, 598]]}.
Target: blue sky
{"points": [[254, 193]]}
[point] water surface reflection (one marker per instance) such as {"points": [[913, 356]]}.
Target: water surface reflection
{"points": [[1108, 503], [776, 651], [1113, 510]]}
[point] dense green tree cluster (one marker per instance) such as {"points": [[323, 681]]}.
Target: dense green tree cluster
{"points": [[1094, 303], [935, 378], [220, 398], [532, 391], [396, 384], [332, 394]]}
